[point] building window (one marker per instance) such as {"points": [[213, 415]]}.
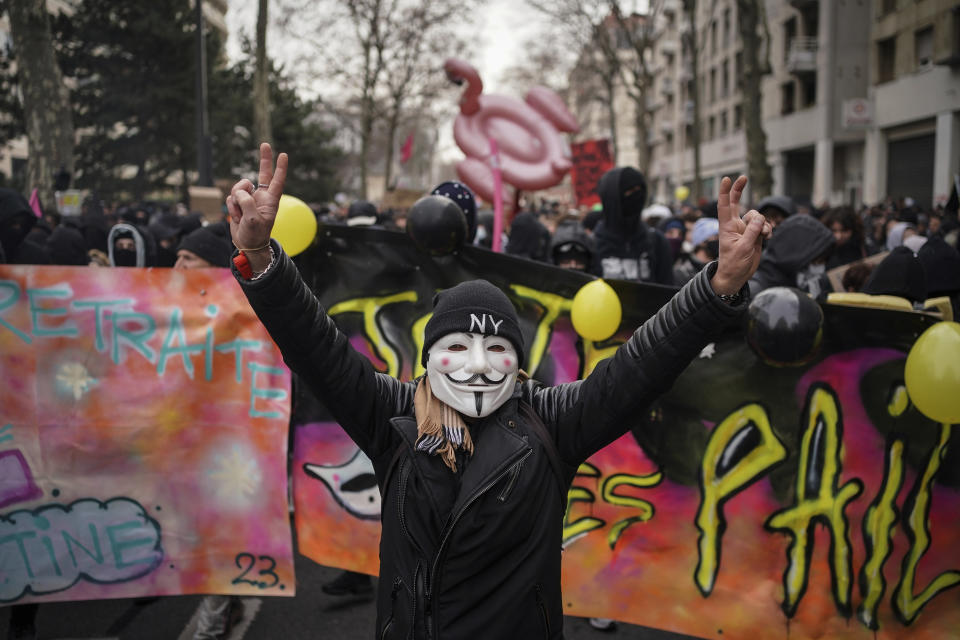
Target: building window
{"points": [[725, 79], [923, 46], [726, 27], [688, 136], [787, 97], [723, 123], [808, 97], [737, 117], [887, 6], [713, 36], [668, 142], [886, 59], [789, 33], [713, 85], [712, 128], [738, 69]]}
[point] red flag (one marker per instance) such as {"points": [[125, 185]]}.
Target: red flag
{"points": [[407, 149], [35, 204]]}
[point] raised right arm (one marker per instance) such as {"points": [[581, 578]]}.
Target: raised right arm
{"points": [[360, 398]]}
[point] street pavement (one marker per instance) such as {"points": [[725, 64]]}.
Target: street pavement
{"points": [[310, 615]]}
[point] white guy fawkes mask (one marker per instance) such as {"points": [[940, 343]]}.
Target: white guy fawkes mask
{"points": [[471, 372]]}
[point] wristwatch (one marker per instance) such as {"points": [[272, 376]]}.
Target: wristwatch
{"points": [[733, 299]]}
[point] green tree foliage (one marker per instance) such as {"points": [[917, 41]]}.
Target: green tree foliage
{"points": [[133, 65], [132, 68], [297, 130]]}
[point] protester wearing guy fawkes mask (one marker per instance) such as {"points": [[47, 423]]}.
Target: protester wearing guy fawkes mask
{"points": [[473, 459], [471, 351]]}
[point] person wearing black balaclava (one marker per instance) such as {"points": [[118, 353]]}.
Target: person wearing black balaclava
{"points": [[130, 246], [627, 248]]}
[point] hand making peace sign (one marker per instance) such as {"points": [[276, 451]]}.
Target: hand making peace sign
{"points": [[252, 208], [741, 239]]}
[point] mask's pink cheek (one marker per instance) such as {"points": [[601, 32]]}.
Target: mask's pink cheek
{"points": [[507, 363], [445, 362]]}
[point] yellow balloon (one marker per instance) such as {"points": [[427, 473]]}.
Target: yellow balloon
{"points": [[295, 226], [596, 311], [932, 372], [681, 193]]}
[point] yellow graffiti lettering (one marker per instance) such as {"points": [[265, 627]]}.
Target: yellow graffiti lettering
{"points": [[906, 605], [593, 355], [818, 498], [418, 331], [608, 491], [370, 308], [573, 531], [878, 526], [741, 448], [899, 401], [553, 305]]}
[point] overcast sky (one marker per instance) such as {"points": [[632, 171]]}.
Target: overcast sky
{"points": [[501, 28]]}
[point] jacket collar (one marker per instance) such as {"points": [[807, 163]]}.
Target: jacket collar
{"points": [[499, 448]]}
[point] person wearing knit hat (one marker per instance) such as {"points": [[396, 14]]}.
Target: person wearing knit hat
{"points": [[703, 230], [207, 246], [475, 460], [461, 194]]}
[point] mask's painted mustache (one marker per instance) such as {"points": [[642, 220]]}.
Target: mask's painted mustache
{"points": [[476, 377]]}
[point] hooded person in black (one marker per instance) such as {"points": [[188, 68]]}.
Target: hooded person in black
{"points": [[130, 246], [67, 246], [16, 221], [528, 237], [899, 274], [627, 248], [796, 256], [571, 247]]}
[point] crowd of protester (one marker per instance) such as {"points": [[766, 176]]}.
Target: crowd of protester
{"points": [[913, 250], [894, 249]]}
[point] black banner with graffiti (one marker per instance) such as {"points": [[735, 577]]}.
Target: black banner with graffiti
{"points": [[785, 482]]}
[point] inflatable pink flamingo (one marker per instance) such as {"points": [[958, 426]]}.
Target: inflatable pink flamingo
{"points": [[532, 153]]}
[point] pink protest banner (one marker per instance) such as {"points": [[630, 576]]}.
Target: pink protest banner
{"points": [[143, 436], [753, 499]]}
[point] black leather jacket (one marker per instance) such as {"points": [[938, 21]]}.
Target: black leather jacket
{"points": [[476, 554]]}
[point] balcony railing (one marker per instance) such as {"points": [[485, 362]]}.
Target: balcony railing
{"points": [[802, 55]]}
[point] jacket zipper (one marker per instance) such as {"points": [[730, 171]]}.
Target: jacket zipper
{"points": [[401, 494], [514, 474], [453, 524], [397, 583], [543, 611]]}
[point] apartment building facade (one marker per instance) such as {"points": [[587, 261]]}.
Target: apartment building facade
{"points": [[862, 100]]}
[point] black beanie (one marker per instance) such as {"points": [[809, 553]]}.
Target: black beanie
{"points": [[899, 274], [212, 243], [475, 306]]}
